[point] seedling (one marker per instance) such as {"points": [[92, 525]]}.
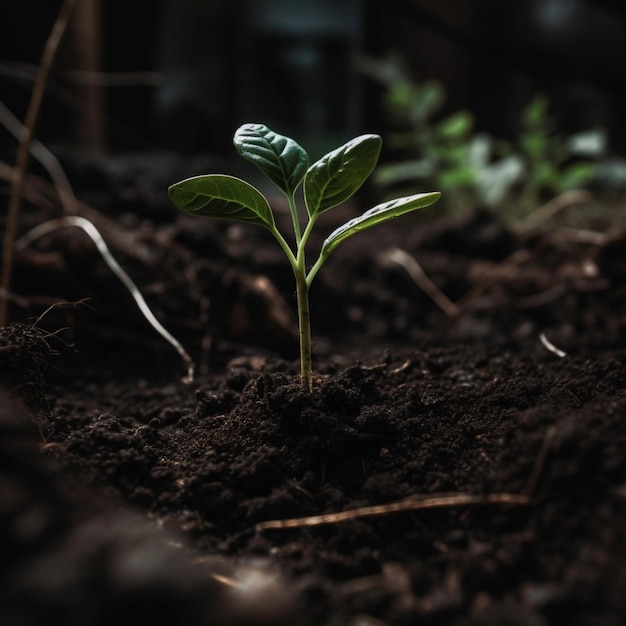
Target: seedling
{"points": [[326, 184]]}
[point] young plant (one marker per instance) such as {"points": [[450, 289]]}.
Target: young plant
{"points": [[326, 184]]}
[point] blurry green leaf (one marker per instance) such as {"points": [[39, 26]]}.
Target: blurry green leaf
{"points": [[546, 175], [457, 126], [536, 111], [577, 175], [534, 144], [404, 171], [455, 178], [399, 95], [428, 98]]}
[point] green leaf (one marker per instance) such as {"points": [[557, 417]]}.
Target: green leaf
{"points": [[221, 196], [577, 175], [280, 158], [336, 176], [456, 127], [380, 213], [536, 111]]}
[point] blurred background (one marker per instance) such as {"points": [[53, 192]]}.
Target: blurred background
{"points": [[447, 83]]}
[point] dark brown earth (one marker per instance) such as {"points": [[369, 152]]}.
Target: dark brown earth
{"points": [[126, 494]]}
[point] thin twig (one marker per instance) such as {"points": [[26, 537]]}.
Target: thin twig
{"points": [[495, 274], [45, 157], [548, 345], [412, 503], [415, 271], [544, 297], [584, 235], [57, 305], [551, 208], [32, 115], [45, 195]]}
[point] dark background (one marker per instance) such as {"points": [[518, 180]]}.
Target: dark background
{"points": [[182, 74]]}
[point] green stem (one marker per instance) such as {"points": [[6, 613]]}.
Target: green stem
{"points": [[304, 317], [304, 324], [313, 271], [285, 246], [305, 238], [294, 216], [298, 264]]}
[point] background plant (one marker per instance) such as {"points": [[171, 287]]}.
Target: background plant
{"points": [[475, 168], [326, 183]]}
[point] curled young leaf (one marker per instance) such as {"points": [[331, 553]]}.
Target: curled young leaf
{"points": [[380, 213], [280, 158], [339, 174], [221, 196]]}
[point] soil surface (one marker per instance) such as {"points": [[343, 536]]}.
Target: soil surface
{"points": [[460, 461]]}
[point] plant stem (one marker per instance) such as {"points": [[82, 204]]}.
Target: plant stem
{"points": [[313, 271], [293, 208], [298, 265], [304, 325], [304, 321], [285, 246]]}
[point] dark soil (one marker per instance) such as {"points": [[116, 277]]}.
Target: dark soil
{"points": [[126, 494]]}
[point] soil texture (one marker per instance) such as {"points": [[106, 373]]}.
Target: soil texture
{"points": [[460, 461]]}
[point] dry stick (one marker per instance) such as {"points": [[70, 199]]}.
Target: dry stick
{"points": [[44, 156], [412, 503], [34, 193], [450, 308], [583, 235], [495, 274], [92, 232], [32, 114], [551, 208], [46, 195], [415, 271]]}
